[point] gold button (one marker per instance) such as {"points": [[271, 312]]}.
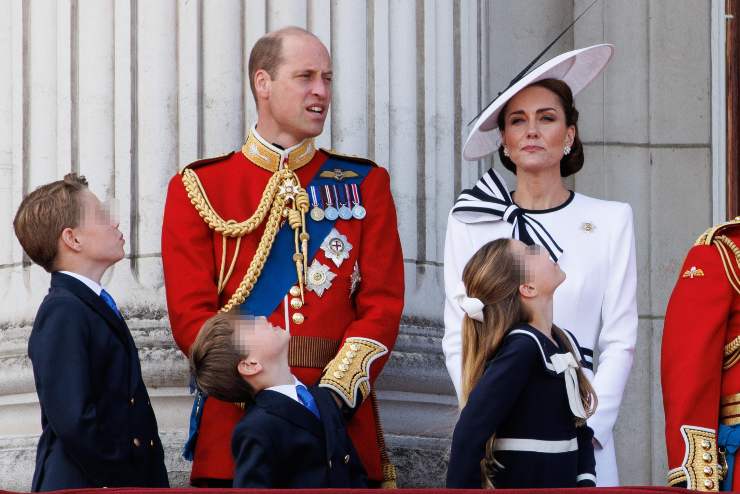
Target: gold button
{"points": [[354, 347], [338, 375], [151, 443], [705, 444], [137, 442], [351, 355], [706, 457], [345, 361], [343, 368], [131, 401], [296, 303], [298, 318], [708, 471], [346, 459], [709, 484], [295, 291]]}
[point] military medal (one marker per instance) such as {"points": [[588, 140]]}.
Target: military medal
{"points": [[319, 278], [330, 212], [317, 214], [344, 211], [358, 211], [355, 279], [336, 247]]}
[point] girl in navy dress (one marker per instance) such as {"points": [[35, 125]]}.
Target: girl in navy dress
{"points": [[525, 398]]}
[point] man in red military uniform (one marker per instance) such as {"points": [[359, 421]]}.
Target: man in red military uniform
{"points": [[701, 381], [304, 236]]}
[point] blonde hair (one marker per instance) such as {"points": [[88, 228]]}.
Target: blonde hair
{"points": [[493, 275]]}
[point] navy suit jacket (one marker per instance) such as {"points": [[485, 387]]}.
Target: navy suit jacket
{"points": [[280, 444], [98, 426]]}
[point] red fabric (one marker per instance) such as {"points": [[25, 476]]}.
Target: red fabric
{"points": [[586, 490], [703, 315], [191, 256]]}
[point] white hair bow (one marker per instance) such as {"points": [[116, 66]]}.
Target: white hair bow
{"points": [[473, 307], [566, 362]]}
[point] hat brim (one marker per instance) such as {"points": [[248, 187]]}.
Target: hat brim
{"points": [[576, 68]]}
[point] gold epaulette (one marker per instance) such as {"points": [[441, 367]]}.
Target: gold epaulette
{"points": [[707, 237], [348, 374], [206, 161], [702, 469], [349, 157]]}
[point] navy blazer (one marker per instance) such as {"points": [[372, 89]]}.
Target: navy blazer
{"points": [[98, 426], [280, 444]]}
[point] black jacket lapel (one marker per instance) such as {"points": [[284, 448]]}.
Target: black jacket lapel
{"points": [[96, 303], [288, 409]]}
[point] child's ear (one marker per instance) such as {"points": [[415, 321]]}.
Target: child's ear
{"points": [[248, 367], [527, 290], [69, 239]]}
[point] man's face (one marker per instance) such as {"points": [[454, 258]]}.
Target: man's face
{"points": [[98, 232], [300, 93]]}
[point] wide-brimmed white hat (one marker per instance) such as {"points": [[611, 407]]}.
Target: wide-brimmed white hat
{"points": [[576, 68]]}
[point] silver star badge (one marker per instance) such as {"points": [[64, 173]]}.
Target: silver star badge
{"points": [[336, 247], [319, 278], [355, 279]]}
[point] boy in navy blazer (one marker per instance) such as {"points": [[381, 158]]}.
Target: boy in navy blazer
{"points": [[98, 427], [291, 436]]}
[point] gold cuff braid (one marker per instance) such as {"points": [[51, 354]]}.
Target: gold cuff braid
{"points": [[701, 469], [283, 197], [349, 371]]}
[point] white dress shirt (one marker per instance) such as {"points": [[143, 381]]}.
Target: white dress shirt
{"points": [[288, 389], [92, 285]]}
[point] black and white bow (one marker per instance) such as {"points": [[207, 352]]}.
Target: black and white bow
{"points": [[490, 200]]}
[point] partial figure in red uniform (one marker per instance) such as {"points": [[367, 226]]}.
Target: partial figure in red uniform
{"points": [[701, 381], [303, 236]]}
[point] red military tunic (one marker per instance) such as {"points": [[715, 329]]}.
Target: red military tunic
{"points": [[365, 298], [701, 344]]}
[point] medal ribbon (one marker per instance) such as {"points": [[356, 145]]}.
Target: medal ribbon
{"points": [[489, 200], [329, 201], [314, 199], [355, 194]]}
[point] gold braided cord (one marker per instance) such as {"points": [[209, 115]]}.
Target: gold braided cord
{"points": [[724, 245], [232, 228], [283, 197], [732, 353]]}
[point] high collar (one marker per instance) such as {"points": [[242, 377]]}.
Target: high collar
{"points": [[272, 158]]}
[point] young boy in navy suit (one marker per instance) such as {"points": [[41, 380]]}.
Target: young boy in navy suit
{"points": [[98, 427], [291, 436]]}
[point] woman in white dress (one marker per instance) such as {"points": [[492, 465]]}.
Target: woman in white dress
{"points": [[533, 125]]}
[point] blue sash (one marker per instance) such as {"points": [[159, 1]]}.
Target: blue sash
{"points": [[729, 438], [279, 273]]}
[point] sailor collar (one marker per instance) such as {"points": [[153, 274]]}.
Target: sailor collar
{"points": [[272, 158], [565, 363]]}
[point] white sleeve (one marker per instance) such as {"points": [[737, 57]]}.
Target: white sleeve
{"points": [[618, 334], [458, 251]]}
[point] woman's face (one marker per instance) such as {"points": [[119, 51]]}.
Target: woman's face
{"points": [[535, 130]]}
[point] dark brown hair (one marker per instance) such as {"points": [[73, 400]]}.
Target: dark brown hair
{"points": [[570, 163], [493, 275], [267, 53], [44, 214], [214, 358]]}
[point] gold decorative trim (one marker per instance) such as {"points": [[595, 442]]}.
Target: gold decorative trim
{"points": [[728, 250], [732, 353], [272, 159], [701, 462], [707, 237], [676, 476], [694, 272], [348, 374], [283, 197], [730, 398]]}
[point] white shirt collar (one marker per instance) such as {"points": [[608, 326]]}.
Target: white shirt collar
{"points": [[92, 285], [288, 389]]}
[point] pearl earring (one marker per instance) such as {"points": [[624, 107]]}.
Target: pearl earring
{"points": [[506, 151], [566, 150]]}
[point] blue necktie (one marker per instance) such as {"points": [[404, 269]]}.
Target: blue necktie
{"points": [[307, 399], [110, 303]]}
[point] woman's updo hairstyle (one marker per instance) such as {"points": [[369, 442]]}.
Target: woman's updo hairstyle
{"points": [[570, 163]]}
